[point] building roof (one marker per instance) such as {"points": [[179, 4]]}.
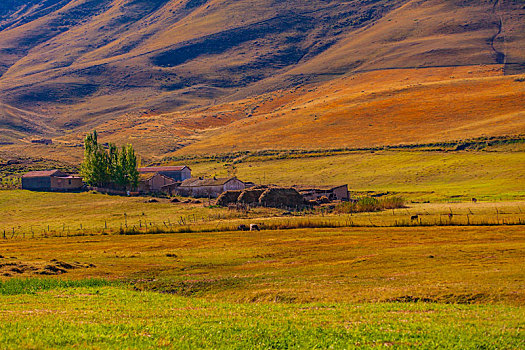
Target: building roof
{"points": [[148, 176], [156, 169], [44, 173], [198, 182]]}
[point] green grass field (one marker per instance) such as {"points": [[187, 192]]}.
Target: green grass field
{"points": [[112, 317], [419, 175]]}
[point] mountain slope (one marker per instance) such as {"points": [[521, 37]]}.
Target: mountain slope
{"points": [[166, 54], [73, 65], [377, 108]]}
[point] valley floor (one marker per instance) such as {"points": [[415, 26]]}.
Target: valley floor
{"points": [[416, 287], [68, 279]]}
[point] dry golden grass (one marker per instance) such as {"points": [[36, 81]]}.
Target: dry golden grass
{"points": [[100, 71], [363, 110], [378, 108], [446, 264]]}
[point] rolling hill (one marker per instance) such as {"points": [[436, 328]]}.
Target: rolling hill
{"points": [[194, 75]]}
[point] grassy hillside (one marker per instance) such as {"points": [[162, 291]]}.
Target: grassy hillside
{"points": [[79, 63], [85, 60], [371, 109], [422, 175], [363, 110]]}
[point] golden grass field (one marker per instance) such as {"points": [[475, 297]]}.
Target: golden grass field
{"points": [[440, 264], [444, 264], [209, 286], [29, 214]]}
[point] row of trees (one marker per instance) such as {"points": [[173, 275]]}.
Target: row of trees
{"points": [[111, 167]]}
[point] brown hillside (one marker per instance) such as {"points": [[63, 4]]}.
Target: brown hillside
{"points": [[88, 60], [217, 75], [359, 110], [85, 61], [377, 108]]}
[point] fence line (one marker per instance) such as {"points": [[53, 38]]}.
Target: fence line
{"points": [[214, 223]]}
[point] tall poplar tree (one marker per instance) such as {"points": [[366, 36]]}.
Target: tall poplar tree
{"points": [[112, 168], [94, 168]]}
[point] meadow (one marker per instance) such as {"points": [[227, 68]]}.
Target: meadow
{"points": [[90, 270], [430, 287], [307, 280], [111, 317], [418, 175], [27, 214], [370, 264]]}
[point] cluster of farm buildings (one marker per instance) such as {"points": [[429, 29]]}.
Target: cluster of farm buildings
{"points": [[174, 180]]}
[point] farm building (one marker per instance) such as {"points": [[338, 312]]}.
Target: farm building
{"points": [[51, 180], [332, 193], [153, 182], [177, 173], [213, 187]]}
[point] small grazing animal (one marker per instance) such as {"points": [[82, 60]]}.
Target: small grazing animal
{"points": [[243, 228], [474, 200], [414, 217], [254, 227]]}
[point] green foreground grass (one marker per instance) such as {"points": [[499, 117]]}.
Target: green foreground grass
{"points": [[17, 286], [116, 317]]}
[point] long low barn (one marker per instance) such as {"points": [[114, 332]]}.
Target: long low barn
{"points": [[213, 187], [51, 180], [177, 173]]}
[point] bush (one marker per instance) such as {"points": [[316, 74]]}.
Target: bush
{"points": [[370, 204], [393, 203]]}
